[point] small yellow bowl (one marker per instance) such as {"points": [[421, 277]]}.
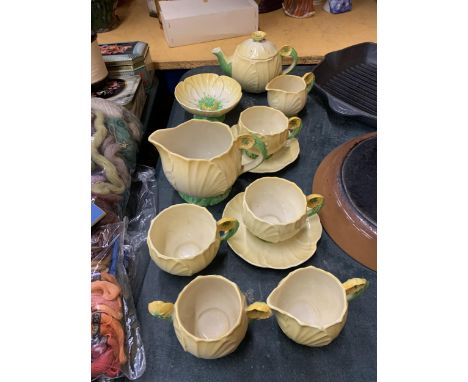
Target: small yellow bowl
{"points": [[208, 95]]}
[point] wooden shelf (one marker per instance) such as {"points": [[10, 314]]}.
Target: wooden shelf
{"points": [[311, 37]]}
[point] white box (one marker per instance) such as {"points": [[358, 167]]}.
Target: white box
{"points": [[192, 21]]}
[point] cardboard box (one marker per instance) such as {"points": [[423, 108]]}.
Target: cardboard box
{"points": [[192, 21]]}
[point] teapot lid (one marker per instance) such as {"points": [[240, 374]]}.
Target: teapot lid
{"points": [[256, 47]]}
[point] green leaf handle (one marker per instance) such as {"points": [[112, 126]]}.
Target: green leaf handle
{"points": [[289, 51], [227, 227], [294, 127], [355, 287], [247, 142], [309, 79], [314, 203], [161, 309]]}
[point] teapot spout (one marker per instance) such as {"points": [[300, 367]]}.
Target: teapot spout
{"points": [[223, 62]]}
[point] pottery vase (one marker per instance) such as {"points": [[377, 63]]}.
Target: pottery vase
{"points": [[299, 8], [103, 17]]}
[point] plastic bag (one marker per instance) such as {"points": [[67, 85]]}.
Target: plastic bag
{"points": [[115, 136], [116, 342], [141, 209], [104, 246]]}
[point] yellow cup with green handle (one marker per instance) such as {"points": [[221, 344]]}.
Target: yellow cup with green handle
{"points": [[275, 209], [269, 126], [183, 239]]}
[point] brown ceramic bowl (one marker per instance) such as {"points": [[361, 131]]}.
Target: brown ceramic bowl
{"points": [[347, 178]]}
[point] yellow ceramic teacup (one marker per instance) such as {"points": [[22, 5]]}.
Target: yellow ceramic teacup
{"points": [[275, 209], [289, 93], [311, 305], [270, 125], [183, 239], [210, 316]]}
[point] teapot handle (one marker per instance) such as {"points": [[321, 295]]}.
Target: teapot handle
{"points": [[247, 141], [289, 51], [309, 79]]}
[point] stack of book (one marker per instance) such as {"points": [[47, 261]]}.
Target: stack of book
{"points": [[130, 75], [125, 59]]}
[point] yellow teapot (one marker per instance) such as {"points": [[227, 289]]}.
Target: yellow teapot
{"points": [[255, 62]]}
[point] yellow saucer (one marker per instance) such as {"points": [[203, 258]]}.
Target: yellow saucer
{"points": [[282, 255], [278, 160]]}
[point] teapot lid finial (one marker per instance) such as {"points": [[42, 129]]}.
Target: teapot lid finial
{"points": [[258, 36], [256, 47]]}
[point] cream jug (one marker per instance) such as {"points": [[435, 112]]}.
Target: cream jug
{"points": [[289, 93], [201, 159], [311, 305], [255, 62]]}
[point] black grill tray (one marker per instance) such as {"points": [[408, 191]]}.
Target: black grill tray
{"points": [[347, 78]]}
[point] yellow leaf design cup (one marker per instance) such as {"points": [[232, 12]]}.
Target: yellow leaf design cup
{"points": [[271, 126], [210, 316], [275, 209], [183, 239]]}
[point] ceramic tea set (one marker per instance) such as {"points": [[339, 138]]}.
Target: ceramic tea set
{"points": [[272, 224]]}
